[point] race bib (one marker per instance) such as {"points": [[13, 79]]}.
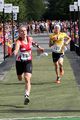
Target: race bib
{"points": [[56, 48], [25, 56]]}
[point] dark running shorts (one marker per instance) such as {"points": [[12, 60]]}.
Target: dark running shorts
{"points": [[56, 56], [23, 67]]}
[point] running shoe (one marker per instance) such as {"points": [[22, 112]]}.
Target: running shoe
{"points": [[58, 80], [26, 101]]}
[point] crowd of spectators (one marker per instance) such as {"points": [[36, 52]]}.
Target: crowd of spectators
{"points": [[70, 27], [38, 27]]}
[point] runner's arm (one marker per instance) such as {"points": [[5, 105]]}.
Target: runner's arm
{"points": [[35, 44], [17, 46], [68, 40]]}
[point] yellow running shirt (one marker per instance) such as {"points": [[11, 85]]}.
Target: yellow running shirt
{"points": [[57, 45]]}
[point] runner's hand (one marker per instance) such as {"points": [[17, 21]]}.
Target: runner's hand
{"points": [[41, 49]]}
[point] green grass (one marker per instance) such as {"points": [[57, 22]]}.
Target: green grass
{"points": [[47, 99]]}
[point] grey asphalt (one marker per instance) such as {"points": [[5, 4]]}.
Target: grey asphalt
{"points": [[1, 54], [74, 60], [43, 40]]}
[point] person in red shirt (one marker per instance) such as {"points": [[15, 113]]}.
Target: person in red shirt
{"points": [[23, 53]]}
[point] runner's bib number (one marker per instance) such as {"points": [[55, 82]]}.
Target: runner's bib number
{"points": [[56, 48], [25, 56]]}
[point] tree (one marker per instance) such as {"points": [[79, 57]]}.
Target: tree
{"points": [[35, 9], [58, 9], [22, 8], [29, 9]]}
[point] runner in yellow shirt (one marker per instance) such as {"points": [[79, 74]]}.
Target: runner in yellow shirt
{"points": [[58, 41]]}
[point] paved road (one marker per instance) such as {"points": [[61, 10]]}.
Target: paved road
{"points": [[74, 60], [42, 40], [1, 54]]}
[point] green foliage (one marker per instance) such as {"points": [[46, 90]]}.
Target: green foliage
{"points": [[58, 9], [35, 9], [29, 9], [22, 8]]}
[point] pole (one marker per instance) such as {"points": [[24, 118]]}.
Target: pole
{"points": [[4, 34], [70, 32], [79, 26], [78, 46], [18, 19], [70, 23], [12, 28], [74, 28], [72, 42]]}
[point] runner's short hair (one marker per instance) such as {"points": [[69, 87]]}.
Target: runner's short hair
{"points": [[58, 26]]}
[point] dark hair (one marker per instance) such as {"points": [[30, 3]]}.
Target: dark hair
{"points": [[52, 27]]}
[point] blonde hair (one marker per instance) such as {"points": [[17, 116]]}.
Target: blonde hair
{"points": [[58, 26], [22, 26]]}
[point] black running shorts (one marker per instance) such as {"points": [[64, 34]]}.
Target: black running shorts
{"points": [[23, 67], [56, 56]]}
